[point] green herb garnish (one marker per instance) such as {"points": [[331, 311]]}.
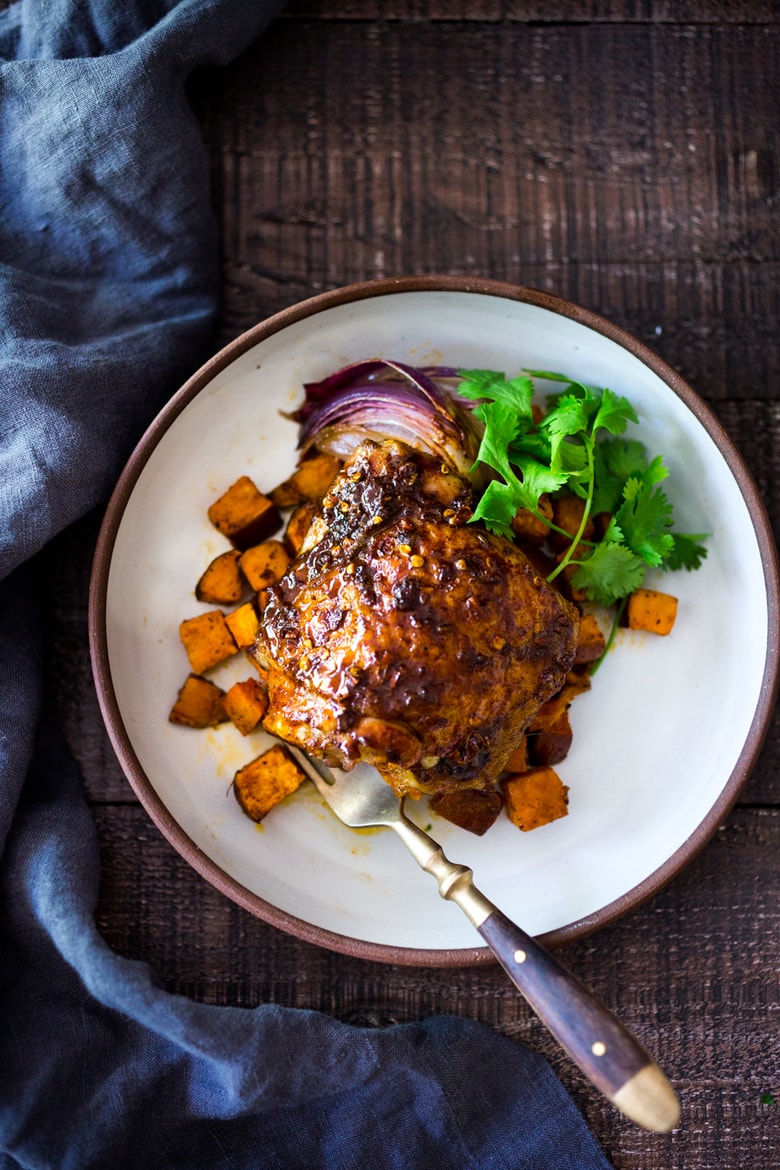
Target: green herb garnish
{"points": [[578, 448]]}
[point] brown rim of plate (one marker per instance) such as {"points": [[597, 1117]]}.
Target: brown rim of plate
{"points": [[120, 740]]}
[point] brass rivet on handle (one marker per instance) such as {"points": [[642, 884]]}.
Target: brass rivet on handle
{"points": [[519, 956], [598, 1048]]}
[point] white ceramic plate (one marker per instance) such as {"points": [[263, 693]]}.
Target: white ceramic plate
{"points": [[662, 743]]}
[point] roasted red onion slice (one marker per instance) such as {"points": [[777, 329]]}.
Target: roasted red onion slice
{"points": [[380, 399]]}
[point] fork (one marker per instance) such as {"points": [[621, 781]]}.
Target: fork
{"points": [[603, 1048]]}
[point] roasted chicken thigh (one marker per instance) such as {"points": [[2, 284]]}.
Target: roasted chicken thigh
{"points": [[404, 636]]}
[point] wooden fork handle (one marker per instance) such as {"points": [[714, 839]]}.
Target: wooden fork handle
{"points": [[609, 1055]]}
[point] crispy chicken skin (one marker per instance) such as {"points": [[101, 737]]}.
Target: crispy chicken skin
{"points": [[403, 636]]}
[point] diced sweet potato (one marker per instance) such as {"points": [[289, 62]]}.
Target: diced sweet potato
{"points": [[579, 678], [243, 624], [535, 798], [265, 564], [528, 526], [207, 640], [551, 742], [549, 712], [244, 515], [648, 609], [200, 703], [549, 734], [245, 704], [567, 514], [592, 643], [265, 781], [298, 525], [469, 809], [564, 580], [309, 482], [577, 682], [518, 761], [221, 582]]}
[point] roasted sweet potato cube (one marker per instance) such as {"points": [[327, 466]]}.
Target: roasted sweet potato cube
{"points": [[243, 624], [527, 526], [550, 712], [535, 798], [265, 781], [592, 643], [551, 743], [577, 682], [648, 609], [298, 525], [567, 514], [244, 515], [207, 640], [469, 809], [310, 481], [221, 583], [518, 761], [565, 579], [245, 704], [286, 495], [265, 564], [200, 704]]}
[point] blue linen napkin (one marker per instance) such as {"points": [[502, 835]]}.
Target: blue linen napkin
{"points": [[108, 286]]}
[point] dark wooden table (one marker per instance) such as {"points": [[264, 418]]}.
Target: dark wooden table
{"points": [[623, 154]]}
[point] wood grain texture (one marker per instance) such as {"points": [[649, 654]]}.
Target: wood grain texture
{"points": [[716, 924], [544, 11], [623, 154], [647, 193]]}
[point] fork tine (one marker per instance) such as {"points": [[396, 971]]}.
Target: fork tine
{"points": [[359, 798], [320, 775]]}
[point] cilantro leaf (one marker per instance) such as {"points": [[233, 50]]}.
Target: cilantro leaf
{"points": [[501, 426], [644, 519], [616, 460], [549, 376], [497, 507], [572, 457], [577, 448], [516, 393], [533, 443], [621, 458], [610, 572], [537, 479], [474, 382], [687, 551], [614, 533], [569, 417], [656, 471], [613, 414]]}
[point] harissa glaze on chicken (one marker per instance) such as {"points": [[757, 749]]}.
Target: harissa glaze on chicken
{"points": [[404, 636]]}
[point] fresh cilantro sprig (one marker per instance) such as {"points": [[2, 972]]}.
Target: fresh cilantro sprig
{"points": [[577, 447]]}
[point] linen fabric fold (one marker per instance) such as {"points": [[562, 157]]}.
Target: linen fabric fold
{"points": [[108, 293]]}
